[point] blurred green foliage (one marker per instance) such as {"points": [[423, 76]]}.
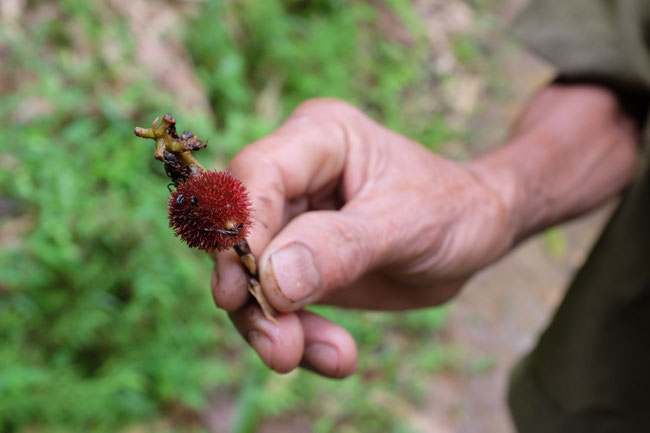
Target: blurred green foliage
{"points": [[106, 320]]}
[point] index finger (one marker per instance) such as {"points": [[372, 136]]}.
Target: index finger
{"points": [[306, 154]]}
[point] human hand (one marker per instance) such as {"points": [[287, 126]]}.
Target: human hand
{"points": [[349, 213]]}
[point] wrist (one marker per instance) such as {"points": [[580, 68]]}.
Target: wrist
{"points": [[499, 180]]}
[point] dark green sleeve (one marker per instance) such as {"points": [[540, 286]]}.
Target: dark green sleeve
{"points": [[596, 40]]}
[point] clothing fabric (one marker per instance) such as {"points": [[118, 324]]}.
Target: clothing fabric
{"points": [[590, 371]]}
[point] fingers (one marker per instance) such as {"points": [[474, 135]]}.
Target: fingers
{"points": [[302, 338], [303, 156], [229, 282], [280, 345], [320, 252], [329, 349]]}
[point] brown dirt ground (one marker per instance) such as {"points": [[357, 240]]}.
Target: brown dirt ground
{"points": [[497, 318]]}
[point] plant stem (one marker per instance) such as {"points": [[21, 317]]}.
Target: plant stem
{"points": [[250, 264]]}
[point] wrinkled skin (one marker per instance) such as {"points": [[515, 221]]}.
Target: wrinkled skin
{"points": [[349, 213]]}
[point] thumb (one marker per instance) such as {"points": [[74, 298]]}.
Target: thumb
{"points": [[319, 252]]}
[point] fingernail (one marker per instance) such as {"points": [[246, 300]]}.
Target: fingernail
{"points": [[262, 345], [294, 271], [323, 357]]}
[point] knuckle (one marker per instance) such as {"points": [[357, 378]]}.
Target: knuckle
{"points": [[325, 104], [333, 117], [329, 110]]}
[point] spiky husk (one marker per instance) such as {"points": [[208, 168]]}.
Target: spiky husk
{"points": [[206, 203]]}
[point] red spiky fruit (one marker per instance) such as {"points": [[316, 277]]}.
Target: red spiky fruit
{"points": [[210, 211]]}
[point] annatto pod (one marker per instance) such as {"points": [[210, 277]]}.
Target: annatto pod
{"points": [[210, 211]]}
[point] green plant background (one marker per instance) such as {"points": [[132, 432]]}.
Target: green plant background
{"points": [[106, 320]]}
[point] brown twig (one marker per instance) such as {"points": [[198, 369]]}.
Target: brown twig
{"points": [[250, 264]]}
